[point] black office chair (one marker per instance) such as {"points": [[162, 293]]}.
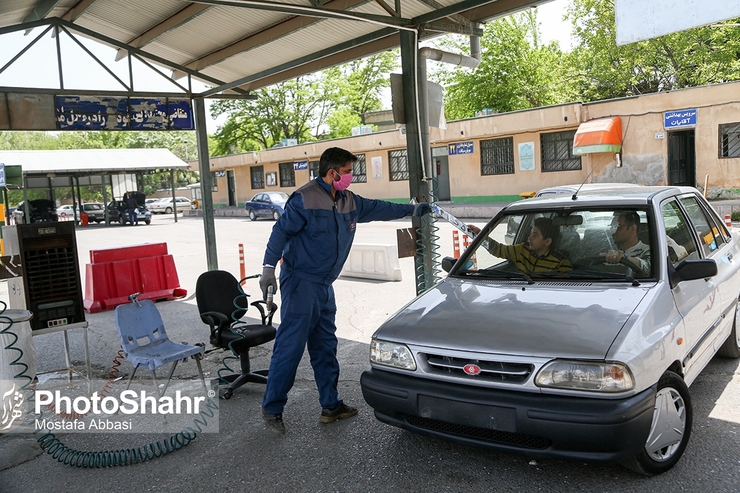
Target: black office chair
{"points": [[222, 304]]}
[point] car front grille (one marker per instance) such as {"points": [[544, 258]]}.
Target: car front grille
{"points": [[492, 371], [515, 439]]}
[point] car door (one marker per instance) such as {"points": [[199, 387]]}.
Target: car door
{"points": [[723, 250], [697, 301], [259, 206]]}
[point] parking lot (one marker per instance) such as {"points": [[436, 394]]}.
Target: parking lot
{"points": [[359, 454]]}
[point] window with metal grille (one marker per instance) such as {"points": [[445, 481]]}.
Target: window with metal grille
{"points": [[287, 175], [729, 140], [398, 162], [257, 173], [557, 151], [359, 170], [497, 156], [313, 170]]}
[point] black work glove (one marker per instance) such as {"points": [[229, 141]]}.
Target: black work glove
{"points": [[422, 208], [268, 279]]}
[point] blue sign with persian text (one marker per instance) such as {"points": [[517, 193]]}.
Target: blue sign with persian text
{"points": [[114, 113], [680, 118], [298, 165], [460, 148]]}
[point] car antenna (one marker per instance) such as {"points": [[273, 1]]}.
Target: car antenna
{"points": [[575, 194]]}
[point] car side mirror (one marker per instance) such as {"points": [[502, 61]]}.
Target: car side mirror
{"points": [[689, 270], [447, 263]]}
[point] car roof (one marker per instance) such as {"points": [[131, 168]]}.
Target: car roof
{"points": [[635, 195], [581, 187]]}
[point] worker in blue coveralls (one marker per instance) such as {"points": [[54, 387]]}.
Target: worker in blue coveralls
{"points": [[314, 237]]}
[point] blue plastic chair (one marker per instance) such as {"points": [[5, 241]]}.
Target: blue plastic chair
{"points": [[145, 341]]}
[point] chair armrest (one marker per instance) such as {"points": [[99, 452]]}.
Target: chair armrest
{"points": [[215, 320]]}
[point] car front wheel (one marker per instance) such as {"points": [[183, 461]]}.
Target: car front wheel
{"points": [[252, 215], [168, 210], [731, 347], [147, 221], [670, 430], [275, 215]]}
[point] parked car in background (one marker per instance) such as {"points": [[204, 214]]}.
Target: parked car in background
{"points": [[266, 204], [95, 212], [117, 211], [150, 201], [166, 206], [590, 362], [42, 210], [65, 211]]}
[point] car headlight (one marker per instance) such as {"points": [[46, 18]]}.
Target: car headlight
{"points": [[392, 354], [585, 375]]}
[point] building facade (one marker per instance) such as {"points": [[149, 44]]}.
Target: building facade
{"points": [[684, 137]]}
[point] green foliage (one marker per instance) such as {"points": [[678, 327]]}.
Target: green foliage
{"points": [[322, 105], [516, 70], [735, 216], [599, 69]]}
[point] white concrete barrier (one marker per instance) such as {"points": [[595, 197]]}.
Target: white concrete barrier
{"points": [[373, 262]]}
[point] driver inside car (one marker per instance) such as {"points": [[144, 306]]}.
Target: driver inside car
{"points": [[536, 255], [630, 248]]}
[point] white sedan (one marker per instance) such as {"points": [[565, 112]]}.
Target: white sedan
{"points": [[166, 206], [571, 328]]}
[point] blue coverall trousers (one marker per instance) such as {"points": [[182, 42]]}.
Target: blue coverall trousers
{"points": [[307, 318]]}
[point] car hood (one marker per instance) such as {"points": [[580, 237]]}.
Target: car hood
{"points": [[546, 319]]}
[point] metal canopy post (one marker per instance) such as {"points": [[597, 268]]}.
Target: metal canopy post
{"points": [[105, 200], [417, 140], [205, 182], [174, 195], [78, 215]]}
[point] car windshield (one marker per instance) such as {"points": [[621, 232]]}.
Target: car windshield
{"points": [[603, 244], [278, 197]]}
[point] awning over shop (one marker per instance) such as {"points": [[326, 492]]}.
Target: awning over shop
{"points": [[600, 135]]}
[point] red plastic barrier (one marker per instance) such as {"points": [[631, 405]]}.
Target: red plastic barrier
{"points": [[115, 273]]}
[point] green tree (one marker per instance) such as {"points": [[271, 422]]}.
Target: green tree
{"points": [[599, 69], [322, 105], [516, 70], [286, 110]]}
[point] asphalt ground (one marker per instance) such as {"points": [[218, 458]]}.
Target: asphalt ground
{"points": [[355, 455]]}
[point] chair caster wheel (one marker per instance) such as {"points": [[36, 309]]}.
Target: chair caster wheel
{"points": [[225, 393]]}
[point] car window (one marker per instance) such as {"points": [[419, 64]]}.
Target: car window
{"points": [[708, 233], [589, 242], [681, 243]]}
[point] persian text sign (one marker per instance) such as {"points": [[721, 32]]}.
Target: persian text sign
{"points": [[681, 118], [114, 113], [299, 165], [460, 148]]}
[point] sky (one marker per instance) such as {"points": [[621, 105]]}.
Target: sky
{"points": [[38, 66]]}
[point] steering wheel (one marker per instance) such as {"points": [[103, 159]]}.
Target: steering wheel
{"points": [[588, 261]]}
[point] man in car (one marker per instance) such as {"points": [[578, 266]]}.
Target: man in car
{"points": [[624, 231], [537, 254]]}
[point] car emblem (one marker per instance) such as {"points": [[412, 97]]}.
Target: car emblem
{"points": [[471, 369]]}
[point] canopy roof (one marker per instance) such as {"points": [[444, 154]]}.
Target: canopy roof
{"points": [[91, 161], [600, 135], [236, 46]]}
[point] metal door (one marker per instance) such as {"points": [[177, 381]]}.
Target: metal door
{"points": [[441, 172], [681, 158], [231, 183]]}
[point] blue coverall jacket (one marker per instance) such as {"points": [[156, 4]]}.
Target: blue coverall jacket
{"points": [[314, 237], [315, 233]]}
